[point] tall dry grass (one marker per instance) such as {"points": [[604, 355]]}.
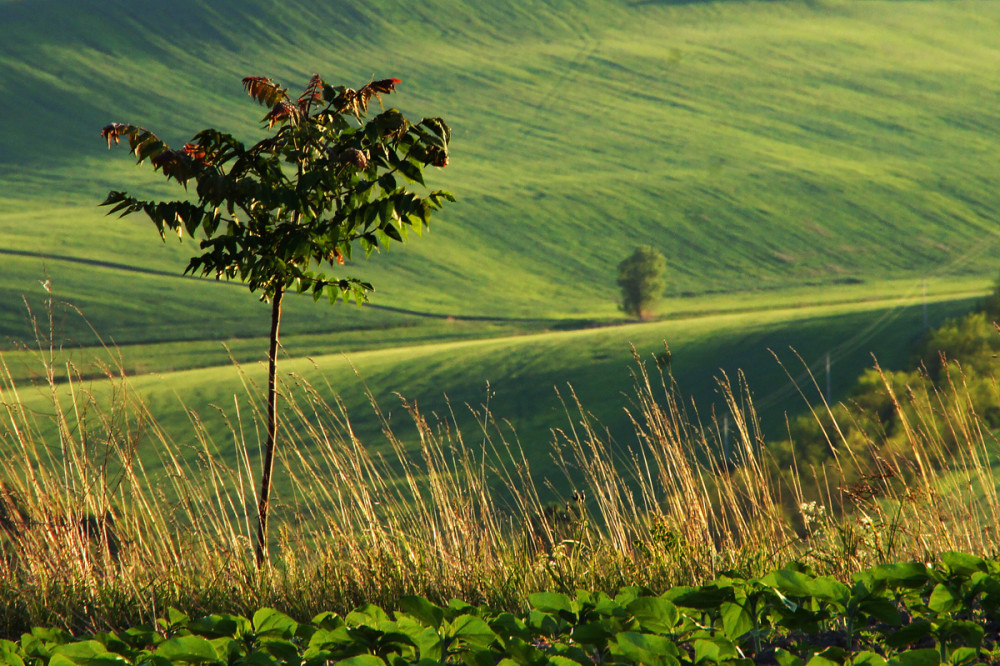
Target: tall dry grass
{"points": [[105, 519]]}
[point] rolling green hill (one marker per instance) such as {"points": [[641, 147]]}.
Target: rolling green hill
{"points": [[531, 382], [778, 152], [760, 144]]}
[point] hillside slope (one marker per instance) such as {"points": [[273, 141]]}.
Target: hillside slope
{"points": [[760, 144], [529, 383]]}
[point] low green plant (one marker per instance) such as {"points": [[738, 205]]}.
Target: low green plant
{"points": [[899, 613]]}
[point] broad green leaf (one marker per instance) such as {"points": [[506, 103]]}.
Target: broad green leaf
{"points": [[907, 574], [964, 564], [557, 660], [654, 614], [786, 658], [423, 610], [411, 171], [327, 620], [187, 649], [627, 595], [704, 598], [593, 633], [428, 640], [543, 623], [646, 649], [10, 654], [522, 652], [821, 660], [831, 590], [324, 637], [284, 651], [369, 614], [387, 182], [51, 635], [867, 659], [176, 618], [458, 607], [268, 621], [797, 584], [963, 655], [736, 621], [881, 609], [361, 660], [385, 212], [220, 625], [927, 657], [713, 650], [472, 631], [942, 599], [832, 654], [258, 658], [550, 602], [507, 625], [970, 632], [228, 648], [392, 232], [911, 633], [85, 653]]}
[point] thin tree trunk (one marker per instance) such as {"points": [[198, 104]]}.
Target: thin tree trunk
{"points": [[272, 426]]}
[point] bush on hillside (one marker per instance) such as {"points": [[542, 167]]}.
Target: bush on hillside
{"points": [[641, 277]]}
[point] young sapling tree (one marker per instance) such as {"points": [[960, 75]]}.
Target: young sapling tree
{"points": [[326, 180]]}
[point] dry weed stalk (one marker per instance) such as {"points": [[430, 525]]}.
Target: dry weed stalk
{"points": [[106, 519]]}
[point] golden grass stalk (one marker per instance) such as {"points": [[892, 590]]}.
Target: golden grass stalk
{"points": [[106, 518]]}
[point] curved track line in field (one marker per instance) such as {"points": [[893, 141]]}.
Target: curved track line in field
{"points": [[94, 262], [858, 339], [161, 273]]}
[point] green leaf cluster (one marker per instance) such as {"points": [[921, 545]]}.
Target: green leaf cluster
{"points": [[903, 613], [327, 180]]}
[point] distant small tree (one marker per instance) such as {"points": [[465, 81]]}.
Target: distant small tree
{"points": [[324, 180], [641, 277]]}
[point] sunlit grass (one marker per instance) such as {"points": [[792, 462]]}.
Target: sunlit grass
{"points": [[95, 535]]}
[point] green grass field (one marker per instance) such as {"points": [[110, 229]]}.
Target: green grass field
{"points": [[760, 144], [828, 153], [531, 382]]}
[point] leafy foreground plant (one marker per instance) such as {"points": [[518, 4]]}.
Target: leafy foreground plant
{"points": [[905, 613], [300, 198]]}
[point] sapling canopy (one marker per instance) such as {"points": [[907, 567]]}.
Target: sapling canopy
{"points": [[328, 179]]}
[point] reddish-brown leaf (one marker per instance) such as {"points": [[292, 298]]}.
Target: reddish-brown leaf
{"points": [[195, 152], [354, 157], [347, 102], [383, 86], [114, 130], [312, 94], [282, 111], [375, 89], [174, 164], [264, 90]]}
